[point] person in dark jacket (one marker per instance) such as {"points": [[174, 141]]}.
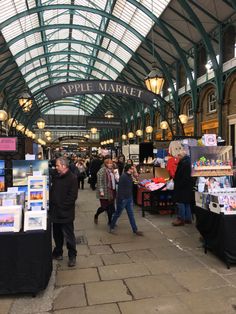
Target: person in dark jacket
{"points": [[95, 165], [183, 190], [125, 199], [63, 194]]}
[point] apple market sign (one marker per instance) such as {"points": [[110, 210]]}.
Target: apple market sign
{"points": [[69, 89]]}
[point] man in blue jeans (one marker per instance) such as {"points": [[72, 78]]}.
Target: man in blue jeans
{"points": [[125, 199]]}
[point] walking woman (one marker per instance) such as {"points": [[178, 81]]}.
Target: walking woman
{"points": [[106, 190]]}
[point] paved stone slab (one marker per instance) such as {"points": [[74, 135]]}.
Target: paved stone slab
{"points": [[141, 256], [153, 286], [72, 296], [83, 250], [95, 309], [162, 305], [220, 300], [118, 258], [198, 280], [177, 265], [169, 252], [77, 276], [83, 261], [5, 304], [106, 292], [100, 249], [122, 271], [131, 246]]}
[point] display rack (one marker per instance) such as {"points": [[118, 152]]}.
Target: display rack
{"points": [[159, 201]]}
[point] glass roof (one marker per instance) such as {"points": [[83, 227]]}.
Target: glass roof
{"points": [[55, 41]]}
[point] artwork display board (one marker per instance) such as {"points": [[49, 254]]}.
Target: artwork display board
{"points": [[10, 218], [211, 161], [37, 197], [35, 220], [24, 168]]}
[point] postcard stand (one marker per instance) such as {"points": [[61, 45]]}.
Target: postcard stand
{"points": [[37, 198]]}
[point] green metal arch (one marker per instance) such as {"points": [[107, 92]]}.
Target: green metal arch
{"points": [[102, 13], [65, 70]]}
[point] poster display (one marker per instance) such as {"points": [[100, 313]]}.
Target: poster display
{"points": [[211, 161], [23, 168]]}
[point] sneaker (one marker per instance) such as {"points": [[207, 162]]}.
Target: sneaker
{"points": [[57, 257], [72, 262], [112, 231], [95, 220], [178, 222], [138, 233]]}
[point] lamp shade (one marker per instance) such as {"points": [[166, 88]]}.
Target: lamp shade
{"points": [[109, 114], [154, 81], [25, 101], [111, 141], [3, 115], [183, 118], [164, 125], [149, 129], [124, 137], [40, 123], [93, 130], [130, 135], [139, 132]]}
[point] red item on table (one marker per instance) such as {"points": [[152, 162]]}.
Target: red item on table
{"points": [[159, 180], [171, 166]]}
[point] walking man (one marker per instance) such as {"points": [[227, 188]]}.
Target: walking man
{"points": [[63, 194], [125, 199]]}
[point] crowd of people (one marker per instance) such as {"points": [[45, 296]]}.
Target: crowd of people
{"points": [[112, 179]]}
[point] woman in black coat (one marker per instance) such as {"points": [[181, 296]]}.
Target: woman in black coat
{"points": [[183, 190]]}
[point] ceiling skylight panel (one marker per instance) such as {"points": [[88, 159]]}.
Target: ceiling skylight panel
{"points": [[62, 33], [29, 77], [104, 56], [59, 47], [87, 19], [112, 46], [8, 10], [123, 54], [48, 15], [116, 30]]}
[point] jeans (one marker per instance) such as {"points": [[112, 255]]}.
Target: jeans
{"points": [[128, 205], [184, 211], [61, 231]]}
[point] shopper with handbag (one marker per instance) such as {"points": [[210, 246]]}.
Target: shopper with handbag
{"points": [[106, 190]]}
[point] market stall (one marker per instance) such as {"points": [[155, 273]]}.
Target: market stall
{"points": [[215, 200], [25, 234]]}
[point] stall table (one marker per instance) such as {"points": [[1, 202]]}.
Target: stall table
{"points": [[219, 233], [25, 261], [159, 201]]}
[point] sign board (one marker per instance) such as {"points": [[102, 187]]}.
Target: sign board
{"points": [[92, 122], [69, 89], [8, 144]]}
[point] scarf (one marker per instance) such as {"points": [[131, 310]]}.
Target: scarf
{"points": [[111, 183]]}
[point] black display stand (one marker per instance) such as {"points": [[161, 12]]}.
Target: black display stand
{"points": [[158, 201], [219, 234], [25, 261]]}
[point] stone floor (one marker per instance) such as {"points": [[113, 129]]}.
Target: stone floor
{"points": [[165, 272]]}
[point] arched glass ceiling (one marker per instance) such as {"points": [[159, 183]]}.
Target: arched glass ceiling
{"points": [[109, 30]]}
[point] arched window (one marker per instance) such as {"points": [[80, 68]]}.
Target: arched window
{"points": [[211, 101], [189, 109]]}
